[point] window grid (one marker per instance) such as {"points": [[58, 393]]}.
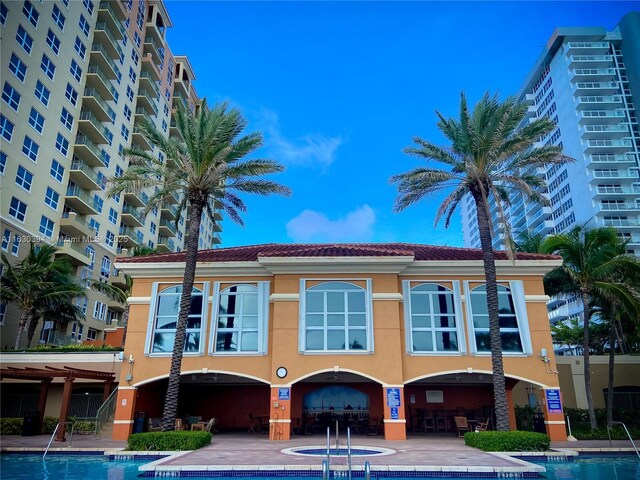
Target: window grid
{"points": [[42, 93], [24, 178], [432, 317], [3, 162], [166, 316], [6, 128], [57, 170], [80, 48], [6, 236], [36, 120], [17, 209], [52, 198], [31, 13], [58, 17], [71, 94], [30, 148], [53, 42], [75, 70], [11, 96], [17, 67], [24, 39], [46, 226], [47, 66], [84, 25], [62, 144], [66, 118]]}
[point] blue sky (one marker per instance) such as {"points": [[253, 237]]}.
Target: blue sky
{"points": [[339, 88]]}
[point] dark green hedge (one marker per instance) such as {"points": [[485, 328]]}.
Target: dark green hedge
{"points": [[164, 441], [11, 426], [514, 441]]}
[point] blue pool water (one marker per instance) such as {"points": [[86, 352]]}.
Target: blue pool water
{"points": [[98, 467]]}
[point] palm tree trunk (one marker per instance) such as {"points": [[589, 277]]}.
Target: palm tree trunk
{"points": [[125, 323], [612, 363], [499, 387], [587, 363], [24, 320], [31, 329], [197, 202]]}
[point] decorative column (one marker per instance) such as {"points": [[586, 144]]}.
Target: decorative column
{"points": [[64, 408], [125, 407], [280, 413], [553, 414], [42, 401], [394, 413], [512, 409]]}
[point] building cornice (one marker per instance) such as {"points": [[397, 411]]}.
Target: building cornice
{"points": [[476, 267], [306, 265], [203, 269]]}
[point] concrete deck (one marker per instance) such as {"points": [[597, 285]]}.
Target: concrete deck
{"points": [[236, 451]]}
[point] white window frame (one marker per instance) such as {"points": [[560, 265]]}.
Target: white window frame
{"points": [[263, 291], [157, 289], [520, 307], [457, 305], [368, 299]]}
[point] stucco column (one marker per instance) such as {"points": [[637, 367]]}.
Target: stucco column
{"points": [[42, 401], [512, 410], [394, 413], [553, 414], [64, 409], [280, 413], [125, 407]]}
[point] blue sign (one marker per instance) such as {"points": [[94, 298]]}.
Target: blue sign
{"points": [[554, 403], [284, 394], [394, 413], [393, 397]]}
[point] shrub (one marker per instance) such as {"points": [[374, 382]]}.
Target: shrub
{"points": [[514, 441], [49, 424], [11, 426], [165, 441], [617, 433], [84, 426]]}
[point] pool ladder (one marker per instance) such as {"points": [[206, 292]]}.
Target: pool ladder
{"points": [[55, 430], [628, 435], [326, 463]]}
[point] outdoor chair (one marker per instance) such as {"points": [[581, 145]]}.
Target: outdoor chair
{"points": [[212, 425], [178, 425], [462, 425], [155, 425], [482, 426], [253, 423]]}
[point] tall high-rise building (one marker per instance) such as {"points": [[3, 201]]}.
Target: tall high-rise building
{"points": [[76, 76], [587, 81]]}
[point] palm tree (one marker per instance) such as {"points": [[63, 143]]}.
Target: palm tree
{"points": [[489, 157], [206, 169], [38, 284], [529, 242], [595, 266]]}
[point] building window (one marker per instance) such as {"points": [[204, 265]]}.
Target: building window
{"points": [[110, 239], [3, 162], [241, 318], [513, 319], [3, 310], [105, 267], [18, 210], [91, 253], [80, 48], [129, 93], [71, 94], [47, 66], [53, 42], [336, 316], [42, 93], [52, 198], [30, 148], [66, 119], [11, 96], [99, 311], [433, 324], [15, 245], [31, 13], [88, 4], [113, 216], [62, 144], [6, 128], [84, 25], [24, 39], [164, 319], [98, 202], [6, 236], [17, 67], [57, 171], [36, 120], [46, 226], [58, 17], [124, 131], [24, 178], [94, 226], [92, 334], [127, 112], [75, 70], [4, 11]]}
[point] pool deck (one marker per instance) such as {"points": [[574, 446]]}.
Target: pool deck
{"points": [[242, 452]]}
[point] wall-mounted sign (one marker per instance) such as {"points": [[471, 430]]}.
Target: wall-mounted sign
{"points": [[394, 413], [393, 397], [554, 403], [284, 394]]}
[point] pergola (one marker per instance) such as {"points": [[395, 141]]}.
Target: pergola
{"points": [[69, 374]]}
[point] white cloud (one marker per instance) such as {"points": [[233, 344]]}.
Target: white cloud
{"points": [[312, 226], [309, 150]]}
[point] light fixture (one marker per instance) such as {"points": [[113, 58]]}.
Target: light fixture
{"points": [[543, 354]]}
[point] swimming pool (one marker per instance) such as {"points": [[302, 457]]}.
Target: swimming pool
{"points": [[98, 467]]}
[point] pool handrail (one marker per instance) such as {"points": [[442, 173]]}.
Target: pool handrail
{"points": [[367, 470], [349, 450], [325, 469], [328, 447], [628, 435], [55, 430]]}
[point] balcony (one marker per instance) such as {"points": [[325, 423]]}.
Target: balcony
{"points": [[131, 216], [217, 239], [592, 74], [167, 228], [587, 47], [101, 56], [74, 225], [165, 245], [80, 200], [604, 131], [616, 190], [180, 100], [97, 79], [148, 83], [83, 175], [104, 37], [138, 139], [168, 211], [173, 130], [612, 173], [74, 252], [590, 61], [118, 279], [116, 7], [610, 159], [91, 98], [110, 16], [620, 207], [599, 101], [604, 88], [148, 65], [146, 101], [89, 125], [609, 146], [217, 216], [172, 198], [87, 151], [559, 314], [155, 31], [621, 223], [128, 238], [600, 117], [544, 228], [116, 306], [134, 199], [153, 48]]}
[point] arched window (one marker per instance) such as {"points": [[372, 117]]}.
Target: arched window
{"points": [[237, 322], [509, 331], [335, 317], [105, 267], [166, 320], [432, 319]]}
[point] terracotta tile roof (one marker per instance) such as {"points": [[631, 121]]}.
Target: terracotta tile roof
{"points": [[251, 253]]}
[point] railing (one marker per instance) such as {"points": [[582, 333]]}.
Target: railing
{"points": [[349, 451], [97, 47], [96, 70], [73, 246], [367, 470], [79, 165], [102, 26], [92, 92], [55, 430], [628, 435], [325, 470], [84, 140], [106, 410]]}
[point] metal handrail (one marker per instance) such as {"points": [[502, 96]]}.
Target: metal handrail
{"points": [[105, 410], [325, 470], [55, 430], [628, 435], [367, 470], [328, 459], [349, 450]]}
